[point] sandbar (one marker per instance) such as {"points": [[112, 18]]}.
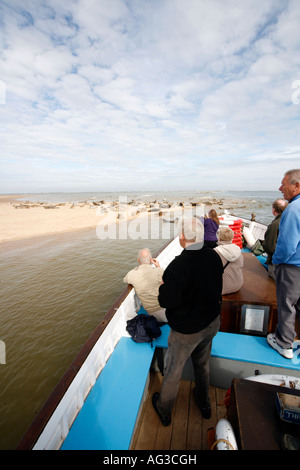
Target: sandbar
{"points": [[21, 219]]}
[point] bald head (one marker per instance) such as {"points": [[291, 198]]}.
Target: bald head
{"points": [[279, 205], [144, 256]]}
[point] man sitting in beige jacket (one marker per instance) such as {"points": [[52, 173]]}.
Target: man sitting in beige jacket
{"points": [[146, 279]]}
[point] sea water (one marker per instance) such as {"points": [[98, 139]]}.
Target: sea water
{"points": [[55, 290]]}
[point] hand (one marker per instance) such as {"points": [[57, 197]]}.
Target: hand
{"points": [[155, 262]]}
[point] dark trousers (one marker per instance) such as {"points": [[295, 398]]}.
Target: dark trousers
{"points": [[180, 348], [288, 303]]}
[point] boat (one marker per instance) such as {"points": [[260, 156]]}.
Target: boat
{"points": [[100, 401]]}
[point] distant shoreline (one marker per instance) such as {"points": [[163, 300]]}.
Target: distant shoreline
{"points": [[4, 198]]}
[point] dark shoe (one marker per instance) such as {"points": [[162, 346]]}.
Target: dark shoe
{"points": [[165, 420], [205, 410]]}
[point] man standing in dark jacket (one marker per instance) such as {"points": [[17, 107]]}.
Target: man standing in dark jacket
{"points": [[271, 235], [191, 293]]}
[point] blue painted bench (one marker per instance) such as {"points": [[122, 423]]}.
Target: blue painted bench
{"points": [[107, 418], [254, 349], [243, 348]]}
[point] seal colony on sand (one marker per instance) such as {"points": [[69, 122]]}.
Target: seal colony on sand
{"points": [[25, 219]]}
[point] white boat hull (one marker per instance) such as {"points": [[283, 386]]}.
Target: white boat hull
{"points": [[82, 375]]}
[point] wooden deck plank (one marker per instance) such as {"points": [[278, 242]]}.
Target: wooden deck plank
{"points": [[195, 426], [181, 416], [211, 422], [145, 435], [221, 408], [188, 430]]}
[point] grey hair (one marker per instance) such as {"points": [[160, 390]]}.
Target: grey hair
{"points": [[145, 256], [192, 229], [294, 176], [225, 234]]}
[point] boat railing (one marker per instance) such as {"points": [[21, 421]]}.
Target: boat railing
{"points": [[83, 381], [169, 252], [53, 423]]}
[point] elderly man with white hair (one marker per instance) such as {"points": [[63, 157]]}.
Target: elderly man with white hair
{"points": [[191, 294], [286, 260], [146, 279]]}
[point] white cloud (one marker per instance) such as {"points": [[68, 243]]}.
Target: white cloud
{"points": [[148, 95]]}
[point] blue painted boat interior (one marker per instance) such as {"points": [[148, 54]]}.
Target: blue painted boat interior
{"points": [[254, 349], [107, 418]]}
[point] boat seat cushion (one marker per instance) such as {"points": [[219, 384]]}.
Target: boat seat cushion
{"points": [[246, 348], [107, 418], [243, 348]]}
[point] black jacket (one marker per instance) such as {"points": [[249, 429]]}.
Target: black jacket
{"points": [[192, 290], [271, 235]]}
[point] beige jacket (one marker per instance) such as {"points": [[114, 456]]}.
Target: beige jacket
{"points": [[146, 280], [233, 273]]}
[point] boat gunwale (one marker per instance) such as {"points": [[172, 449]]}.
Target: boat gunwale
{"points": [[39, 423], [36, 428]]}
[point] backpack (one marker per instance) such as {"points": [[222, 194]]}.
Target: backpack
{"points": [[144, 328], [257, 248]]}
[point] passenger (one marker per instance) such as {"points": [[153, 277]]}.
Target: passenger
{"points": [[191, 292], [211, 225], [146, 279], [286, 260], [232, 259], [271, 235]]}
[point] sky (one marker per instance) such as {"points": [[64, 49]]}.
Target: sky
{"points": [[131, 95]]}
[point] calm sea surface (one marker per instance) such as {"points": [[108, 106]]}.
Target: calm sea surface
{"points": [[54, 291]]}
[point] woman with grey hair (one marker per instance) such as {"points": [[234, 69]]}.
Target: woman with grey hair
{"points": [[232, 260]]}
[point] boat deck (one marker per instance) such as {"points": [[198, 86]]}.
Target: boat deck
{"points": [[188, 430]]}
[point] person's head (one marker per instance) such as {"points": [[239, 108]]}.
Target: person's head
{"points": [[290, 184], [214, 216], [190, 230], [225, 234], [144, 256], [278, 206]]}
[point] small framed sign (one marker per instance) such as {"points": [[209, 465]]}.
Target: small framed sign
{"points": [[255, 320]]}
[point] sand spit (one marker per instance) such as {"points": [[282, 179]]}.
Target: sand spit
{"points": [[24, 219]]}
